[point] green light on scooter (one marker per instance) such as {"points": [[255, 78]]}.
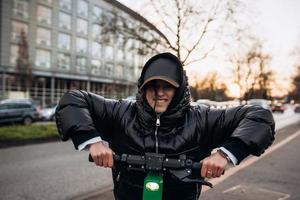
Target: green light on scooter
{"points": [[152, 186]]}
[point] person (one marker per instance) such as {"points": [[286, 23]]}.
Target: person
{"points": [[162, 120]]}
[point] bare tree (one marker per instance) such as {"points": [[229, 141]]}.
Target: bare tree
{"points": [[191, 28], [23, 67], [118, 28], [209, 88], [250, 66], [296, 83], [295, 92], [259, 78]]}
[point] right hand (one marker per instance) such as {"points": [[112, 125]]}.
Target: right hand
{"points": [[101, 154]]}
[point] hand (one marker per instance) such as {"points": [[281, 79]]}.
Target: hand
{"points": [[213, 166], [101, 154]]}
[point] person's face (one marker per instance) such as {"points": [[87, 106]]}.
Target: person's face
{"points": [[164, 92]]}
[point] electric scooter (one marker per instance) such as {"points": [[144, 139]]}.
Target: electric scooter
{"points": [[155, 165]]}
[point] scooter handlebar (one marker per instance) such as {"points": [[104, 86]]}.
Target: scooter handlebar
{"points": [[116, 158], [166, 163]]}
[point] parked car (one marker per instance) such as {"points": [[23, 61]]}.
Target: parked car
{"points": [[206, 102], [48, 112], [23, 111], [297, 108], [278, 107], [131, 98], [260, 102]]}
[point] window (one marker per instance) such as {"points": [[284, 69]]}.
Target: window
{"points": [[96, 32], [82, 26], [17, 28], [95, 67], [81, 63], [64, 21], [136, 61], [20, 8], [109, 53], [82, 8], [119, 71], [129, 45], [97, 11], [121, 41], [47, 1], [43, 58], [120, 55], [14, 54], [44, 15], [3, 106], [120, 48], [96, 49], [81, 45], [63, 61], [109, 69], [64, 41], [129, 58], [65, 4], [43, 36]]}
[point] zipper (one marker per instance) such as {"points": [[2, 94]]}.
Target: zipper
{"points": [[156, 128]]}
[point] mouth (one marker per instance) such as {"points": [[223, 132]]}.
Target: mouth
{"points": [[160, 100]]}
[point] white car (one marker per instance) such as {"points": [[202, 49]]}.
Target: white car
{"points": [[260, 102], [48, 113]]}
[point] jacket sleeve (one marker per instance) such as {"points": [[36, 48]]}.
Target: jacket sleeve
{"points": [[249, 127], [82, 116]]}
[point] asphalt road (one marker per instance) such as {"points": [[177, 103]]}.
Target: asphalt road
{"points": [[55, 171], [275, 177], [48, 171]]}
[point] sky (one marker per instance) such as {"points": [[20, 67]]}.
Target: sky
{"points": [[276, 23]]}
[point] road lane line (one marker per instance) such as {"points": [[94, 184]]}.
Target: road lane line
{"points": [[250, 161]]}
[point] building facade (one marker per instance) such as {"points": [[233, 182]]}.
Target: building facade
{"points": [[67, 50]]}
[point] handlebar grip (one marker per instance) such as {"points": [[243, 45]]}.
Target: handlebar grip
{"points": [[116, 158], [197, 166]]}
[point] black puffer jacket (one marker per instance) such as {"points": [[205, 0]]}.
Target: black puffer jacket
{"points": [[129, 128]]}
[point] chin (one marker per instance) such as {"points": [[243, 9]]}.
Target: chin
{"points": [[160, 110]]}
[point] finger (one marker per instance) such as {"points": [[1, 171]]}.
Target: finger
{"points": [[213, 171], [208, 170], [110, 161], [220, 171], [95, 159], [208, 173], [105, 160], [203, 170], [99, 160]]}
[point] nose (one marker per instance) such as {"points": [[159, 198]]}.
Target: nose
{"points": [[160, 90]]}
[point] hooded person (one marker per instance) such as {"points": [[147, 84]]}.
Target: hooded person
{"points": [[135, 127]]}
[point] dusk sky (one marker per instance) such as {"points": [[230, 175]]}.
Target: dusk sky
{"points": [[276, 23]]}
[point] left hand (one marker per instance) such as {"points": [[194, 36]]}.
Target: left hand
{"points": [[213, 166]]}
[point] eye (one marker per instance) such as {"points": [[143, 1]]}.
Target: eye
{"points": [[150, 86], [167, 87]]}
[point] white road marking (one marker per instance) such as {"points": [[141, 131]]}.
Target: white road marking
{"points": [[250, 161]]}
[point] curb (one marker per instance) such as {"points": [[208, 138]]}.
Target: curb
{"points": [[15, 143]]}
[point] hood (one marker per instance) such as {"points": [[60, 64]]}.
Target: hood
{"points": [[179, 104]]}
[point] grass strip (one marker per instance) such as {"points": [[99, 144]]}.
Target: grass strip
{"points": [[19, 132]]}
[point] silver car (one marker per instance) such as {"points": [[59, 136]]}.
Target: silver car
{"points": [[19, 111], [260, 102]]}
